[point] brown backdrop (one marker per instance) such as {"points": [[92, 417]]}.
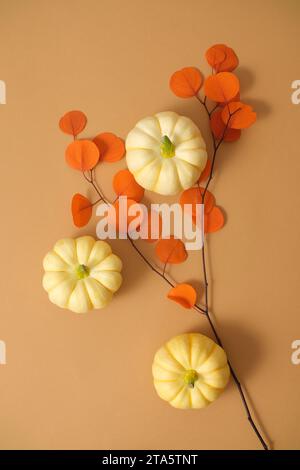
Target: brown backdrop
{"points": [[76, 381]]}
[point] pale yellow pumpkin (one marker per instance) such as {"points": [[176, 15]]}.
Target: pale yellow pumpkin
{"points": [[81, 274], [166, 153], [190, 371]]}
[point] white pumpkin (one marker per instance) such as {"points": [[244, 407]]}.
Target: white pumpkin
{"points": [[190, 371], [166, 153], [81, 274]]}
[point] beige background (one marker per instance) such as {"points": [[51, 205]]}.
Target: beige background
{"points": [[85, 381]]}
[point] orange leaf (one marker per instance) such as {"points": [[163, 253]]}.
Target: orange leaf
{"points": [[193, 196], [158, 228], [73, 122], [183, 294], [235, 98], [82, 155], [124, 184], [213, 221], [81, 210], [222, 58], [170, 250], [215, 55], [186, 82], [123, 219], [218, 127], [221, 87], [240, 115], [111, 147], [206, 172]]}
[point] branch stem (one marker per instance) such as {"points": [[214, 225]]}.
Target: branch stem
{"points": [[216, 146]]}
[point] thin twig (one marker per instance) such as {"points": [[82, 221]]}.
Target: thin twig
{"points": [[233, 373], [150, 265]]}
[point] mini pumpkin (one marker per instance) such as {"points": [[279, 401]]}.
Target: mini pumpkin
{"points": [[81, 274], [166, 153], [190, 371]]}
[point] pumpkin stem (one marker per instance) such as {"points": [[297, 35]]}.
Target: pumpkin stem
{"points": [[167, 148], [190, 378], [82, 271]]}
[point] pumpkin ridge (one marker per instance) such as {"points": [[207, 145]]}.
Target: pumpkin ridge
{"points": [[158, 122], [183, 162], [177, 393], [211, 352], [87, 292], [68, 264], [159, 364], [142, 169], [89, 262], [146, 133], [218, 369], [203, 394], [173, 128], [67, 302], [212, 386], [189, 163], [76, 246], [99, 282], [161, 168], [190, 341], [173, 357], [155, 157], [68, 278]]}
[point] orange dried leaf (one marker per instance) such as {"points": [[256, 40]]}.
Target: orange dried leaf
{"points": [[82, 155], [240, 115], [110, 146], [184, 294], [206, 172], [73, 122], [235, 98], [221, 87], [215, 55], [218, 128], [214, 221], [171, 250], [229, 62], [194, 196], [186, 82], [81, 209], [124, 184]]}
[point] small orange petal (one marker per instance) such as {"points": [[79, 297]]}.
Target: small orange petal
{"points": [[219, 130], [186, 82], [81, 209], [111, 147], [73, 122], [194, 196], [221, 87], [183, 294], [82, 155], [171, 250], [124, 184], [214, 221], [238, 115], [222, 58]]}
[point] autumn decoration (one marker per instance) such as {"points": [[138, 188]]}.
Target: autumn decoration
{"points": [[165, 154]]}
